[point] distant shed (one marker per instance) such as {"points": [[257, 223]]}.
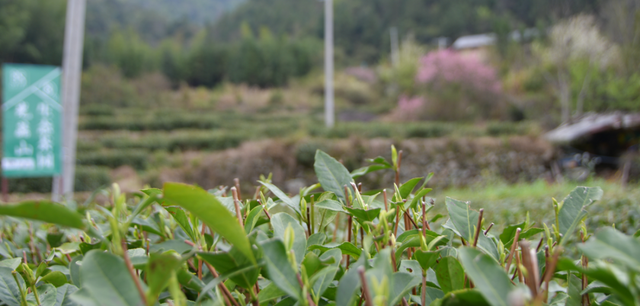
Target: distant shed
{"points": [[607, 135]]}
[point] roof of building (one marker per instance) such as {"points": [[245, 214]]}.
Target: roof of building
{"points": [[474, 41], [488, 39], [592, 123]]}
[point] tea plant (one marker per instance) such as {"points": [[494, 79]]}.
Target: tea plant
{"points": [[182, 245]]}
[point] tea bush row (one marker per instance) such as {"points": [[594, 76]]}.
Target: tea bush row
{"points": [[330, 244], [88, 178]]}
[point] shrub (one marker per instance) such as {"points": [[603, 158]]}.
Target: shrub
{"points": [[113, 159], [336, 246], [87, 178]]}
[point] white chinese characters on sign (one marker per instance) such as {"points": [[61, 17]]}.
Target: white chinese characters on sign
{"points": [[44, 158]]}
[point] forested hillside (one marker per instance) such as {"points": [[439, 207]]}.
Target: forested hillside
{"points": [[362, 26]]}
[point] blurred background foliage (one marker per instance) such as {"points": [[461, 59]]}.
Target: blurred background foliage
{"points": [[166, 83]]}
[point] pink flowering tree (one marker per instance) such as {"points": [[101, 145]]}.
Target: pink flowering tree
{"points": [[450, 67], [458, 86]]}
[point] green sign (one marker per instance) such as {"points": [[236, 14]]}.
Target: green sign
{"points": [[31, 125]]}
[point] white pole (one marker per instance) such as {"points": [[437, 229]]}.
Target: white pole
{"points": [[72, 70], [328, 64], [395, 55]]}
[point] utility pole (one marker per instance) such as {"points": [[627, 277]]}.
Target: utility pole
{"points": [[395, 55], [329, 116], [71, 72]]}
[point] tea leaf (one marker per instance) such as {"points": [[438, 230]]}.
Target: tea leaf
{"points": [[330, 205], [9, 291], [280, 222], [46, 293], [408, 186], [402, 283], [280, 271], [12, 263], [461, 298], [206, 207], [426, 259], [159, 270], [573, 209], [226, 263], [463, 218], [183, 221], [321, 280], [347, 248], [450, 274], [364, 215], [270, 292], [332, 175], [488, 276], [282, 196], [252, 219], [609, 243], [44, 211], [55, 278], [63, 295], [107, 281], [349, 284]]}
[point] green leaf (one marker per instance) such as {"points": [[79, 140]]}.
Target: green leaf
{"points": [[9, 291], [12, 263], [74, 271], [206, 207], [463, 297], [418, 197], [414, 241], [524, 235], [160, 268], [311, 263], [487, 275], [282, 196], [573, 210], [189, 280], [510, 232], [364, 215], [46, 293], [450, 274], [426, 259], [231, 261], [349, 284], [332, 175], [44, 211], [280, 222], [321, 280], [408, 186], [107, 280], [402, 283], [613, 276], [463, 218], [55, 239], [183, 221], [316, 239], [280, 271], [146, 202], [368, 169], [347, 248], [252, 218], [330, 205], [269, 293], [205, 292], [608, 243], [63, 294], [574, 298], [55, 278]]}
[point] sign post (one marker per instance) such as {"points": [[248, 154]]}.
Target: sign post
{"points": [[31, 125]]}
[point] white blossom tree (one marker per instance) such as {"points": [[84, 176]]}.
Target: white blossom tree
{"points": [[571, 41]]}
